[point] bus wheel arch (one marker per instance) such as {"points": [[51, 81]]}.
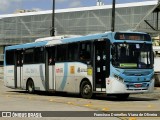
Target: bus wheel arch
{"points": [[30, 86], [86, 89]]}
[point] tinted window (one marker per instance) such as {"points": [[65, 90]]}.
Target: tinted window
{"points": [[73, 51], [10, 57], [39, 55], [62, 53], [51, 55], [29, 56], [85, 50]]}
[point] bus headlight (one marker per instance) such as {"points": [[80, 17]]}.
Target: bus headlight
{"points": [[118, 78]]}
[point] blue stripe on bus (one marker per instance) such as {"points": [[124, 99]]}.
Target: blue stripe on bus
{"points": [[28, 45], [65, 76]]}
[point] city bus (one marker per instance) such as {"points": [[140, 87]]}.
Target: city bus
{"points": [[111, 63]]}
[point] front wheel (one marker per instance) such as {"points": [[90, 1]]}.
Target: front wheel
{"points": [[30, 86], [86, 90]]}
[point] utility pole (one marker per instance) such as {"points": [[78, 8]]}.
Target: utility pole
{"points": [[113, 16], [53, 16]]}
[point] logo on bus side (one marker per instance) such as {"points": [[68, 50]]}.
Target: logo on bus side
{"points": [[81, 70], [59, 70], [72, 70], [84, 70]]}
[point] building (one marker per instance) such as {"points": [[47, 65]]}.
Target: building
{"points": [[26, 27]]}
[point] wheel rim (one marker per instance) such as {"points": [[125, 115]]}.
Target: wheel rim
{"points": [[86, 89], [30, 87]]}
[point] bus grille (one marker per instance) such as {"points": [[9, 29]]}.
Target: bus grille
{"points": [[136, 73]]}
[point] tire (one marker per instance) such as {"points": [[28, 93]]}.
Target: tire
{"points": [[30, 86], [122, 96], [86, 90]]}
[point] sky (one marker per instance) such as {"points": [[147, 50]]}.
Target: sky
{"points": [[10, 6]]}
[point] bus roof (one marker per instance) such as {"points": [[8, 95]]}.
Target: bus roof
{"points": [[65, 40], [55, 42], [27, 45]]}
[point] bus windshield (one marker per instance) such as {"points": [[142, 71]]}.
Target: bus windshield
{"points": [[135, 56]]}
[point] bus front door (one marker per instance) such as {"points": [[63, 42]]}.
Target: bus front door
{"points": [[18, 69], [101, 64]]}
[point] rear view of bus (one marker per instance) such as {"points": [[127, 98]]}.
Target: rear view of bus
{"points": [[131, 64]]}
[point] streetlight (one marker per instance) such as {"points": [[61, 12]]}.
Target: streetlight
{"points": [[53, 15], [113, 16]]}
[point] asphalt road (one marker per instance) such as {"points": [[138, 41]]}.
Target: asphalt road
{"points": [[19, 100]]}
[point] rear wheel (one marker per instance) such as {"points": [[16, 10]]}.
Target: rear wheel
{"points": [[30, 86], [86, 90]]}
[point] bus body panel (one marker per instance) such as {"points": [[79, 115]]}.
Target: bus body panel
{"points": [[36, 72], [19, 76], [51, 77], [65, 77], [118, 87], [130, 81], [82, 71], [9, 76], [69, 75]]}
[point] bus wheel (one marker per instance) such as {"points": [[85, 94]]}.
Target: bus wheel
{"points": [[30, 86], [86, 90], [122, 96]]}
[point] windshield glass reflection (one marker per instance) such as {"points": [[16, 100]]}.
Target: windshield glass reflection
{"points": [[132, 55]]}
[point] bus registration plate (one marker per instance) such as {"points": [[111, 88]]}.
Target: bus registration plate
{"points": [[138, 85]]}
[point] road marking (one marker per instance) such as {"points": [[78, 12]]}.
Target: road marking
{"points": [[149, 106], [88, 105], [71, 103], [105, 109], [132, 118]]}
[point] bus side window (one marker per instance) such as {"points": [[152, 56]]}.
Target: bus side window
{"points": [[73, 51], [29, 56], [10, 57], [19, 55], [85, 51], [51, 55], [39, 55], [62, 53]]}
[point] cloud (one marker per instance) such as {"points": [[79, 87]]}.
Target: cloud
{"points": [[69, 3], [6, 4], [61, 1], [37, 9], [75, 3]]}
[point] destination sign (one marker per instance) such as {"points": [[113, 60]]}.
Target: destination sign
{"points": [[132, 36]]}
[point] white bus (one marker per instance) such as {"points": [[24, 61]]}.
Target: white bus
{"points": [[114, 63]]}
